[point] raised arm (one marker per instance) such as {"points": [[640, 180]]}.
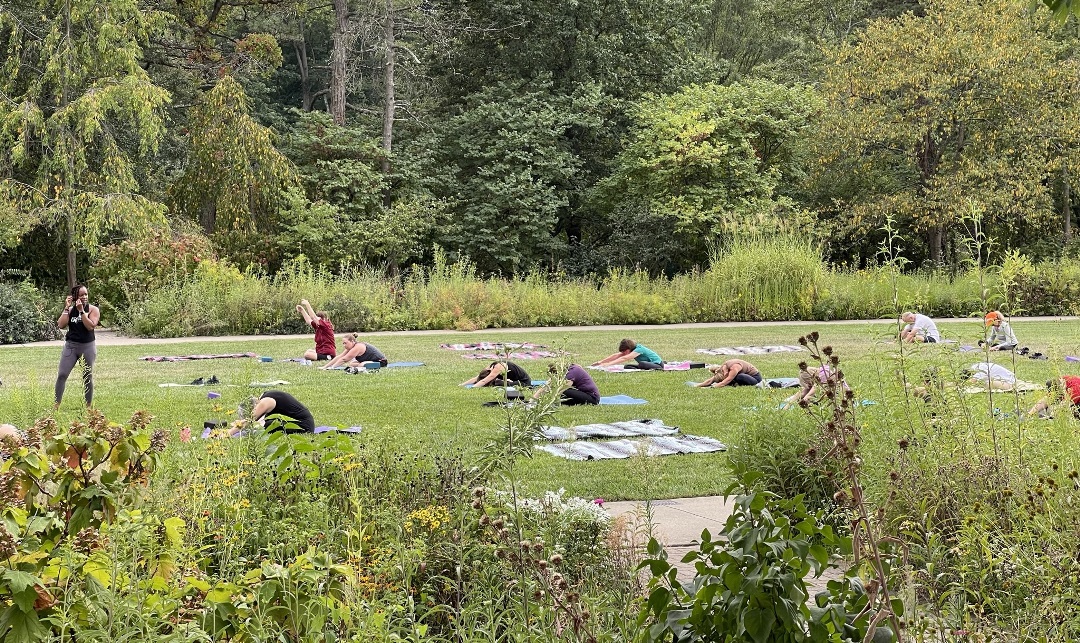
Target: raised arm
{"points": [[496, 370], [304, 308], [62, 321]]}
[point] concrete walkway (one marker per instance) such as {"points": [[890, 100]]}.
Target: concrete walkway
{"points": [[114, 338], [678, 523]]}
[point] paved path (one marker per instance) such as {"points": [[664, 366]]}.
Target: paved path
{"points": [[678, 523], [113, 338]]}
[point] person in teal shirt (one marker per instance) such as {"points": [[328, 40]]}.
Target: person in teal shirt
{"points": [[629, 350]]}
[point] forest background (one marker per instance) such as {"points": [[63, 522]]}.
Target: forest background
{"points": [[156, 145]]}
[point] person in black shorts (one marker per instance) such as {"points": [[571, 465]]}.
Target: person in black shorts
{"points": [[500, 374], [280, 411]]}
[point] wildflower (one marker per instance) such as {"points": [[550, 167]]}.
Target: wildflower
{"points": [[9, 545], [598, 501], [158, 440], [185, 434]]}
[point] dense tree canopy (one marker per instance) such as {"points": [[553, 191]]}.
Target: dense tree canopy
{"points": [[575, 136]]}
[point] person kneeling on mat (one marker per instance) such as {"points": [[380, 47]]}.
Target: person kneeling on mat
{"points": [[919, 328], [500, 374], [1002, 337], [582, 388], [631, 351], [357, 353], [734, 372], [290, 415], [325, 349]]}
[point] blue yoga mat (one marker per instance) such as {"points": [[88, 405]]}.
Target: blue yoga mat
{"points": [[403, 364], [621, 399], [338, 429]]}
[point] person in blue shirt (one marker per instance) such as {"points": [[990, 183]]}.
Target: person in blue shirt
{"points": [[631, 351]]}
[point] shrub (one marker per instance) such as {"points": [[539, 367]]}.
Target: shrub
{"points": [[24, 315], [129, 272]]}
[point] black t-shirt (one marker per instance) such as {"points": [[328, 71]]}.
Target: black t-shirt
{"points": [[291, 408], [514, 374]]}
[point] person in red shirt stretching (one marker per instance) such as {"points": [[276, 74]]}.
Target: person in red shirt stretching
{"points": [[1065, 389], [325, 346]]}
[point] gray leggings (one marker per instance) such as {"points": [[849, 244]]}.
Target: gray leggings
{"points": [[72, 352]]}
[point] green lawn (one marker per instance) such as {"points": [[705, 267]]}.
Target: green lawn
{"points": [[423, 409]]}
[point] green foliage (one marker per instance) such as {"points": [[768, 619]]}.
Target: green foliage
{"points": [[746, 277], [126, 273], [976, 120], [25, 315], [507, 170], [750, 583], [80, 111], [234, 180], [61, 489], [717, 159]]}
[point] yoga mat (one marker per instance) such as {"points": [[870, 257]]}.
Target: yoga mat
{"points": [[750, 350], [268, 384], [779, 382], [620, 399], [403, 364], [355, 430], [188, 358], [1070, 358]]}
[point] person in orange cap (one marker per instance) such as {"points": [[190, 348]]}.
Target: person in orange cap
{"points": [[1002, 337]]}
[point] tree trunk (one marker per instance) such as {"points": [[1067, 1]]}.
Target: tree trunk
{"points": [[1066, 206], [208, 216], [307, 98], [389, 105], [936, 242], [71, 264], [337, 61]]}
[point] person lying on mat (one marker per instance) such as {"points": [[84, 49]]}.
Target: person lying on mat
{"points": [[919, 328], [631, 351], [1001, 337], [998, 376], [810, 378], [582, 388], [325, 348], [1064, 390], [734, 372], [500, 374], [357, 353], [285, 408]]}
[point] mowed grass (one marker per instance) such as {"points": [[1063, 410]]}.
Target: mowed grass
{"points": [[423, 410]]}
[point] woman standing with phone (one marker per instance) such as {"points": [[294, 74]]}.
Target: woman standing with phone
{"points": [[80, 319]]}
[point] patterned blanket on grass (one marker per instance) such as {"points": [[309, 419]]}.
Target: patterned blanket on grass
{"points": [[514, 355], [491, 346], [627, 429], [189, 358], [620, 449], [750, 350]]}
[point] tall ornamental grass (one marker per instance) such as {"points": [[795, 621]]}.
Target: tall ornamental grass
{"points": [[751, 279]]}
